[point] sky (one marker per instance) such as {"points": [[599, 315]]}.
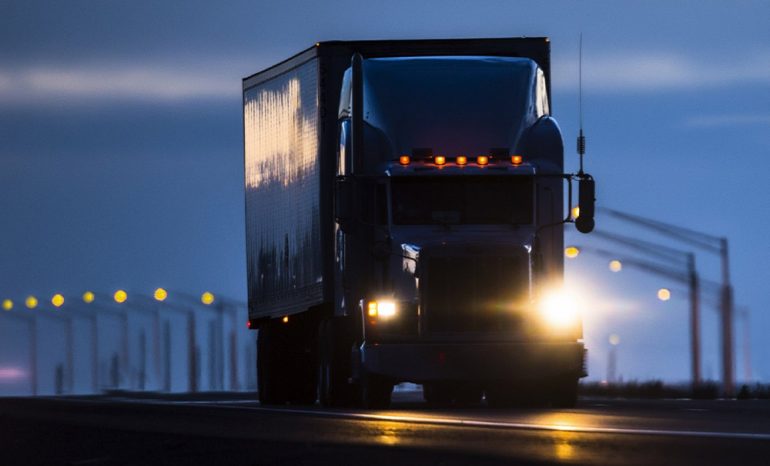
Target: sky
{"points": [[121, 143]]}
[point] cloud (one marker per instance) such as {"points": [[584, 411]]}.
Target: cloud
{"points": [[660, 71], [727, 120], [132, 82]]}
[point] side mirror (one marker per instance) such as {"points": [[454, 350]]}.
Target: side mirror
{"points": [[586, 199], [343, 201]]}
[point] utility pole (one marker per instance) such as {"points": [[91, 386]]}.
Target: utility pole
{"points": [[690, 277], [716, 245]]}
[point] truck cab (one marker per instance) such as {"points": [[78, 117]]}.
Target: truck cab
{"points": [[451, 242]]}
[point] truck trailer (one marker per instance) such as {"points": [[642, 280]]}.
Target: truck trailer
{"points": [[405, 215]]}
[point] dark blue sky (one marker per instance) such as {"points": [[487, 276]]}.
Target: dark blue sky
{"points": [[121, 151]]}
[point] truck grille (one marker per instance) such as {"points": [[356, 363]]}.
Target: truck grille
{"points": [[473, 294]]}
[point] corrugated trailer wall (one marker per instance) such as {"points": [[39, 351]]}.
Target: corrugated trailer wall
{"points": [[282, 182]]}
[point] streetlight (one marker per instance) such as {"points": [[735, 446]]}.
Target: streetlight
{"points": [[664, 294], [691, 278], [7, 304], [30, 302], [88, 297], [57, 300], [207, 298], [616, 265], [160, 294], [120, 296], [571, 252], [715, 245]]}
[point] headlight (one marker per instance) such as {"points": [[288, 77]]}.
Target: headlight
{"points": [[559, 309], [384, 309]]}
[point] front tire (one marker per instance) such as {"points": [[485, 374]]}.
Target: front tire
{"points": [[375, 391]]}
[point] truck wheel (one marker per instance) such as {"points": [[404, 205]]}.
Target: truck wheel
{"points": [[302, 381], [333, 363], [501, 395], [375, 392], [516, 394], [564, 392], [271, 376], [467, 395], [437, 394]]}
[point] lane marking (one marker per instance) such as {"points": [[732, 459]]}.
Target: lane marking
{"points": [[442, 421]]}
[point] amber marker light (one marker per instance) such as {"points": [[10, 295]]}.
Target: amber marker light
{"points": [[462, 160], [160, 294], [404, 160], [482, 160], [571, 252], [30, 302], [516, 159], [207, 298], [371, 308], [88, 297], [7, 304], [439, 160], [57, 300]]}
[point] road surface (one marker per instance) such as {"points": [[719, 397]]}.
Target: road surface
{"points": [[233, 429]]}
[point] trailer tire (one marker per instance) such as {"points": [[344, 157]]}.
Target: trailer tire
{"points": [[375, 391], [271, 373], [334, 363], [564, 392]]}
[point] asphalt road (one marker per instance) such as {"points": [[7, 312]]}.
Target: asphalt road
{"points": [[232, 429]]}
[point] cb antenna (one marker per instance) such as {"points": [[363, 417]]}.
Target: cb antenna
{"points": [[581, 140]]}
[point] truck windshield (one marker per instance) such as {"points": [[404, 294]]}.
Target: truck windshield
{"points": [[465, 200]]}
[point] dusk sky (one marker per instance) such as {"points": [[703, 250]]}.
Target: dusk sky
{"points": [[121, 158]]}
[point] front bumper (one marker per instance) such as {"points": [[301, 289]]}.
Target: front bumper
{"points": [[498, 361]]}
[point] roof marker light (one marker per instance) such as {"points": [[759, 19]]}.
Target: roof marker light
{"points": [[439, 160], [404, 160], [482, 160], [516, 159], [462, 160]]}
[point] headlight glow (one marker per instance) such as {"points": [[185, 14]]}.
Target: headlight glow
{"points": [[384, 309], [559, 309]]}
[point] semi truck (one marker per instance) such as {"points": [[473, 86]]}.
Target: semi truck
{"points": [[405, 210]]}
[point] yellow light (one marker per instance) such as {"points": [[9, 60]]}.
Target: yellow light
{"points": [[482, 160], [559, 309], [285, 319], [386, 309], [207, 298], [404, 160], [160, 294], [7, 304], [30, 302], [57, 300], [439, 160], [576, 212], [462, 160], [88, 297], [571, 252], [664, 294], [381, 309], [516, 159], [616, 265], [120, 296]]}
